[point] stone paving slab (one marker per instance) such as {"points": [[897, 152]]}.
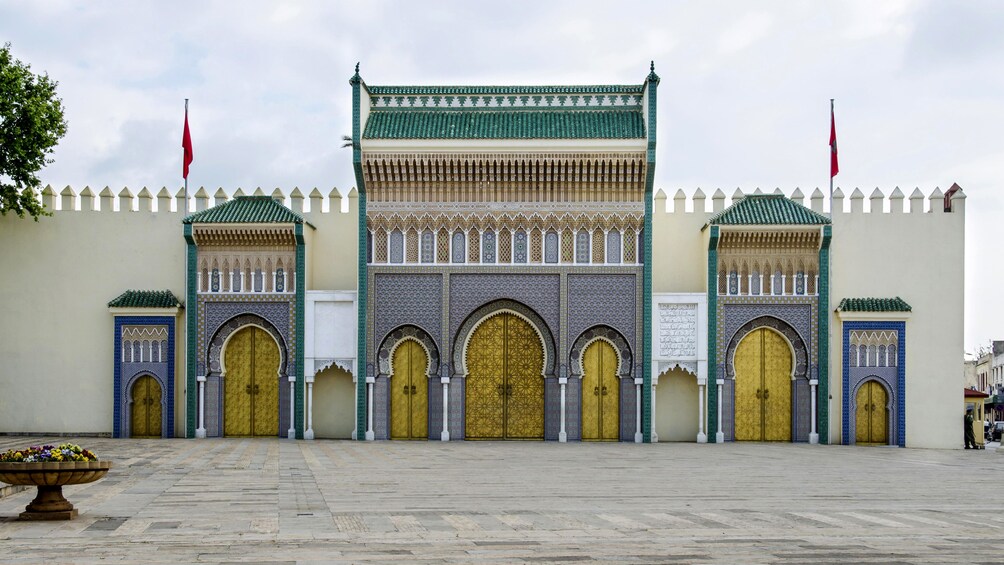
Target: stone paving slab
{"points": [[281, 501]]}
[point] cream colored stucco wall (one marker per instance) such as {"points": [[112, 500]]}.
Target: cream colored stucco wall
{"points": [[918, 256], [676, 406], [334, 415], [333, 248], [679, 247], [56, 341]]}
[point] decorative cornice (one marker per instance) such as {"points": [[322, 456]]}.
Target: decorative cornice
{"points": [[244, 235]]}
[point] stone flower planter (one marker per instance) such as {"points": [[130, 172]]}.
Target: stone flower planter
{"points": [[49, 503]]}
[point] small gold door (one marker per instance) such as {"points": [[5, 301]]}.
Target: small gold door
{"points": [[504, 387], [251, 384], [763, 387], [146, 407], [600, 393], [409, 388], [872, 414]]}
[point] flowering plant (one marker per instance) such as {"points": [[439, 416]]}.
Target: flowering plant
{"points": [[47, 454]]}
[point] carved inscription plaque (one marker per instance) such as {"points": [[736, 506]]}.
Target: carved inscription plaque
{"points": [[677, 330]]}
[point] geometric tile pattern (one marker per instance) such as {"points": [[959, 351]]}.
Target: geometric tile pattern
{"points": [[893, 379]]}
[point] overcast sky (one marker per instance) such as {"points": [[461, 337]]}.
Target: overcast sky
{"points": [[744, 98]]}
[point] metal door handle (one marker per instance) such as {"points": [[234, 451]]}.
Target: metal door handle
{"points": [[766, 393], [604, 393], [413, 389], [596, 391], [501, 390], [247, 389], [759, 393], [256, 389], [508, 390], [406, 389]]}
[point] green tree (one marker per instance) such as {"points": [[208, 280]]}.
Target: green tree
{"points": [[31, 124]]}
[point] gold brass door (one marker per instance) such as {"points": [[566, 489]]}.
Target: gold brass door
{"points": [[146, 407], [763, 388], [600, 393], [251, 384], [872, 414], [409, 392], [505, 386]]}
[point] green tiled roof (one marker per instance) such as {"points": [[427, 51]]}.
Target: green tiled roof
{"points": [[145, 299], [478, 90], [246, 210], [586, 124], [767, 209], [874, 305]]}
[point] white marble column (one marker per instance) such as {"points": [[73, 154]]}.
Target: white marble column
{"points": [[702, 384], [637, 410], [813, 434], [445, 434], [370, 436], [562, 434], [200, 432], [355, 405], [720, 436], [655, 434], [309, 432], [291, 433]]}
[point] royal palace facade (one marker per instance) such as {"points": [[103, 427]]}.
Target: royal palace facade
{"points": [[504, 269]]}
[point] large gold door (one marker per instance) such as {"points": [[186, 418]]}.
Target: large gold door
{"points": [[600, 393], [763, 388], [872, 414], [409, 392], [251, 384], [146, 407], [504, 387]]}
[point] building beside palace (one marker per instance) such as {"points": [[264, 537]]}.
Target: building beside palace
{"points": [[505, 270]]}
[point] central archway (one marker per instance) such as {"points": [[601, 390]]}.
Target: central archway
{"points": [[504, 358], [763, 365]]}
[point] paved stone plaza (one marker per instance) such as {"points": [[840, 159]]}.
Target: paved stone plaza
{"points": [[272, 500]]}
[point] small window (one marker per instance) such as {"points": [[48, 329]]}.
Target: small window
{"points": [[613, 246], [551, 247], [519, 247], [778, 283], [259, 280], [755, 284], [235, 280], [852, 356], [582, 247], [882, 359], [163, 351], [155, 352], [127, 351], [396, 247], [893, 359], [488, 246], [428, 246], [137, 352], [459, 247]]}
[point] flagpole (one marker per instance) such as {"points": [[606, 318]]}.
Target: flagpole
{"points": [[831, 158], [186, 176]]}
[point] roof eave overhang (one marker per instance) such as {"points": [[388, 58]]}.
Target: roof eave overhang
{"points": [[137, 311], [852, 316]]}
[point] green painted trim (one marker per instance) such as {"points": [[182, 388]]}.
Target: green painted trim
{"points": [[646, 365], [503, 90], [823, 388], [191, 333], [300, 321], [529, 109], [713, 335], [361, 302]]}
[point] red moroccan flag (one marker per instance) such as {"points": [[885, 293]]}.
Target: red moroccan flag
{"points": [[186, 144], [834, 168]]}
